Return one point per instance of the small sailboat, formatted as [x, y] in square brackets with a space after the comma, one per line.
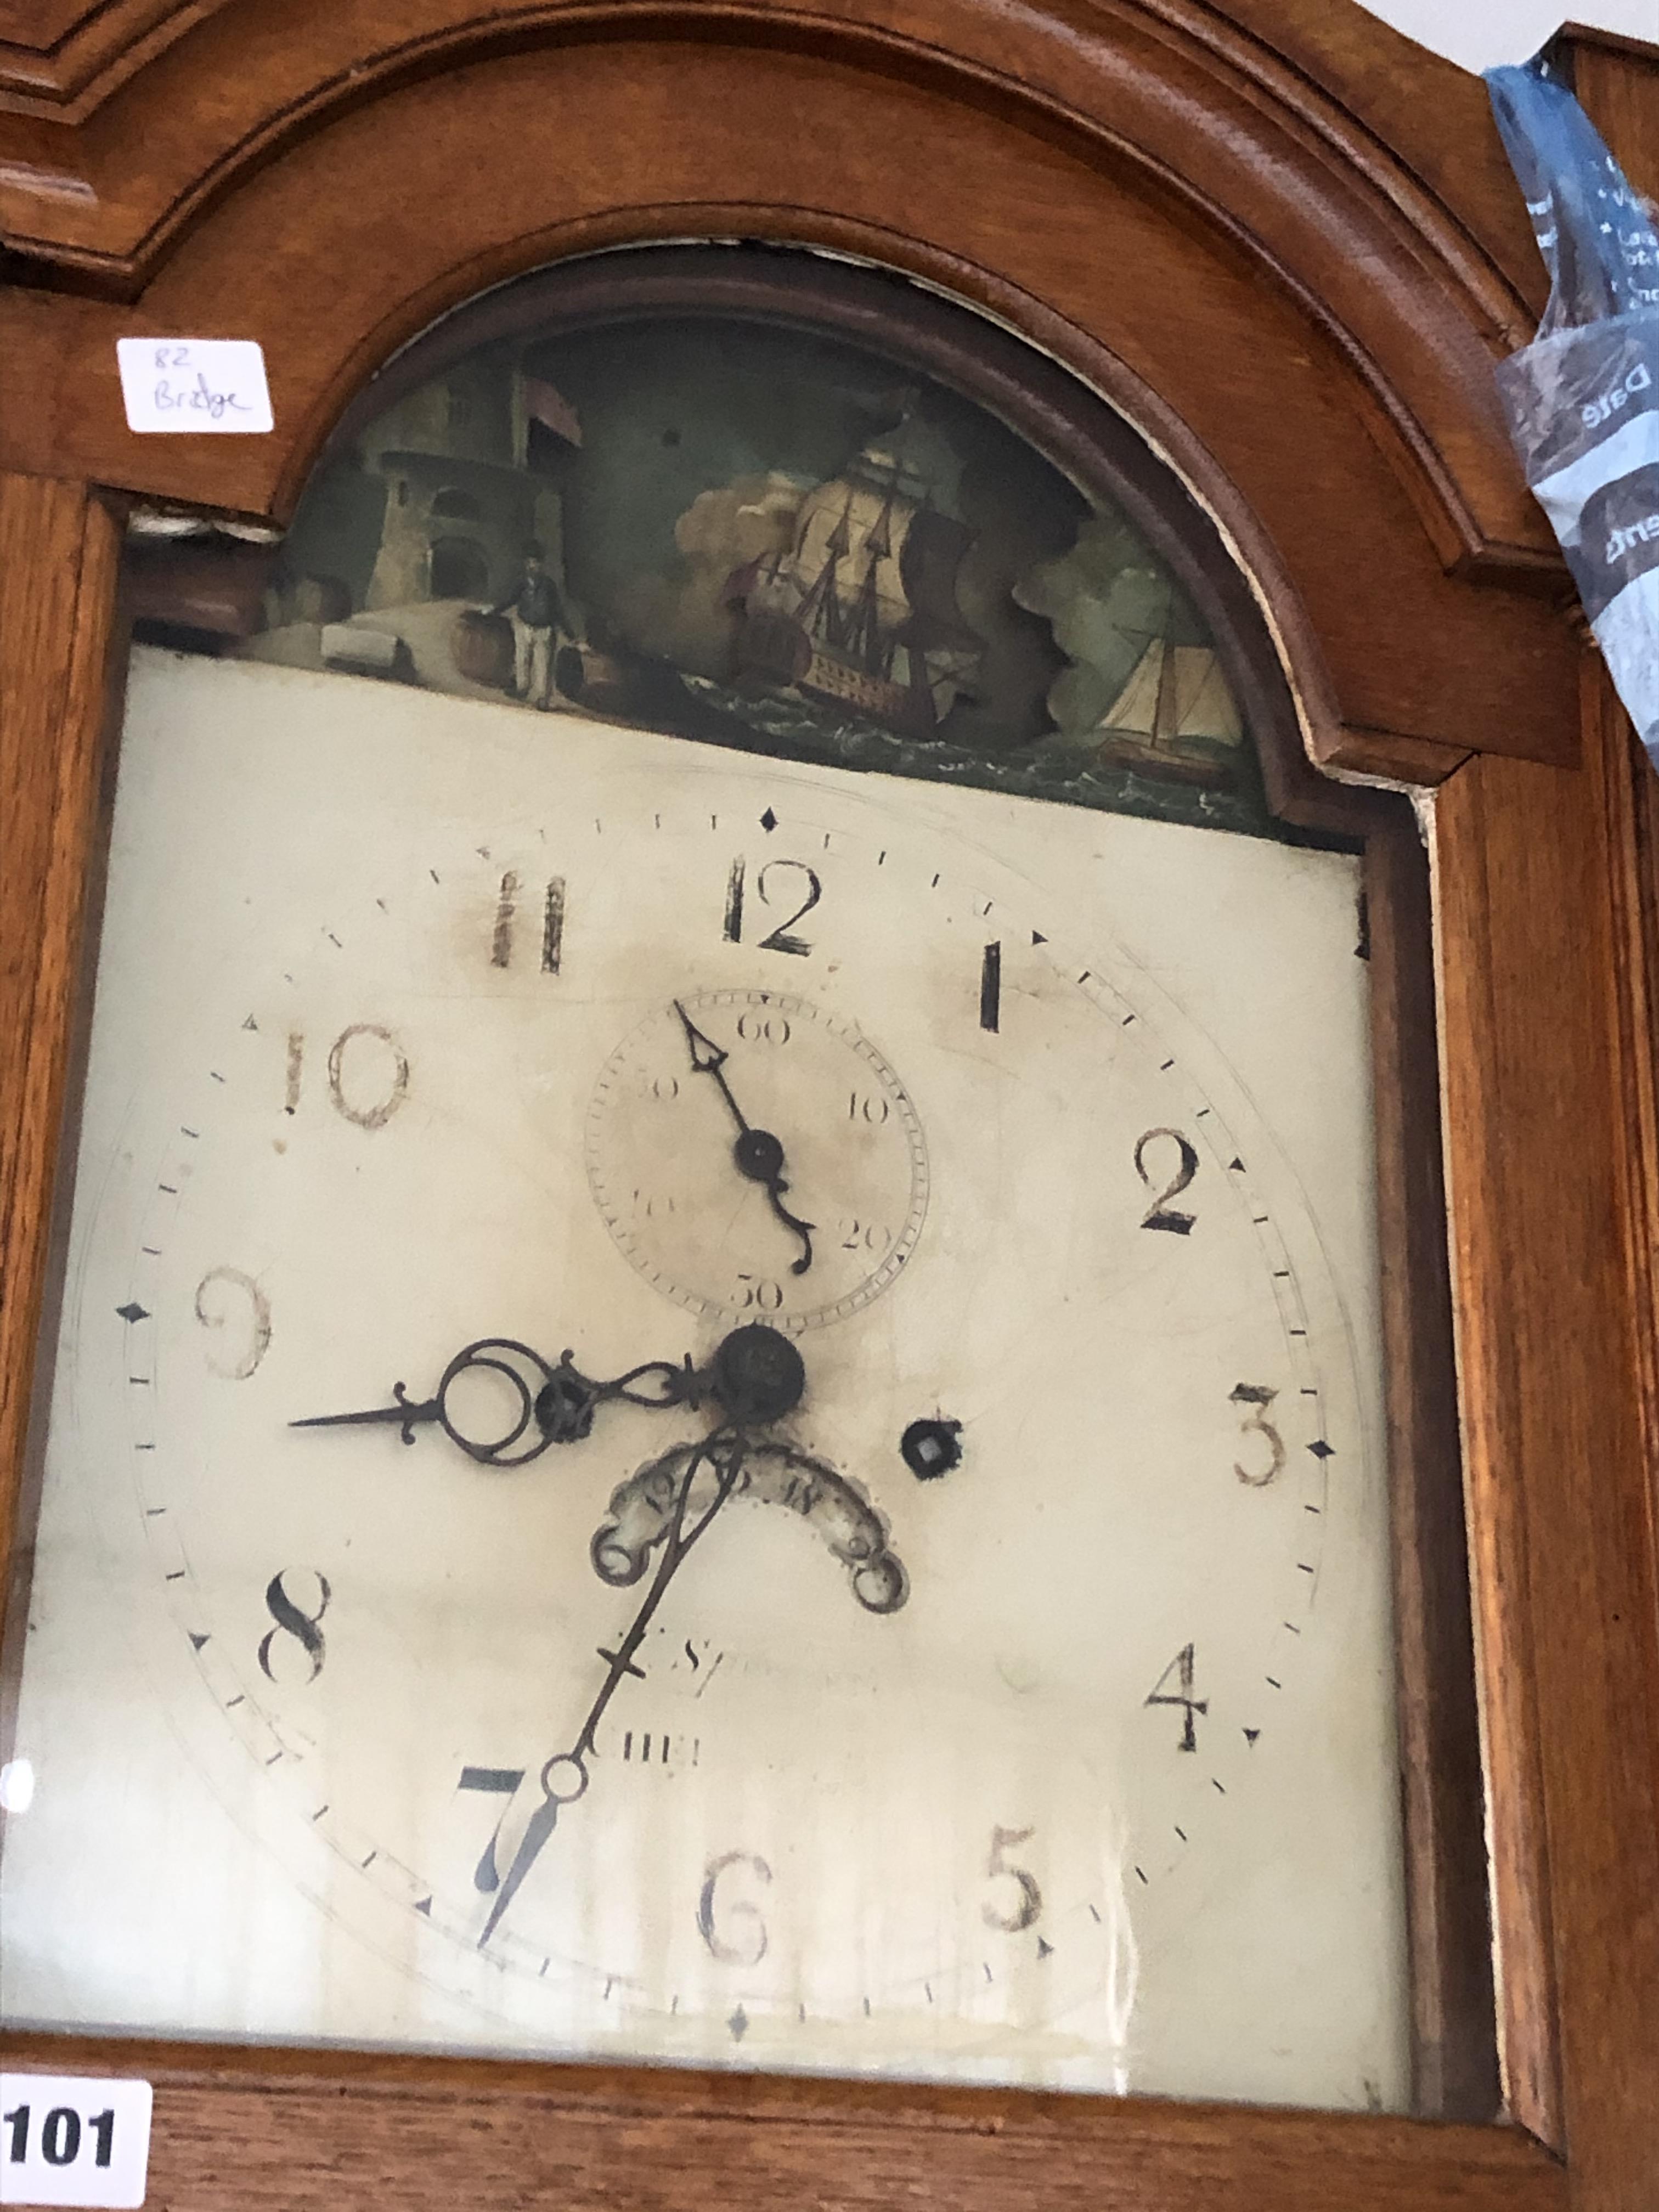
[1176, 716]
[859, 610]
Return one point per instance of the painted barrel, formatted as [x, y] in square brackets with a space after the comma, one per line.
[595, 680]
[480, 646]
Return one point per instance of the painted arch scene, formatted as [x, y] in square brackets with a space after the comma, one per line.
[760, 538]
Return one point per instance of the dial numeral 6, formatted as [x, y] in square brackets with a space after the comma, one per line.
[719, 1921]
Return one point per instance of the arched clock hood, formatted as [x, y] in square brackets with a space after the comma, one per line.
[1283, 242]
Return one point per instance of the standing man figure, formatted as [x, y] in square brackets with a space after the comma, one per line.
[536, 612]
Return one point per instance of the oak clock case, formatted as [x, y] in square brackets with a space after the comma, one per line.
[710, 1406]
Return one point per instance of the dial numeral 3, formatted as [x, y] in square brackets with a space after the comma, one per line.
[1253, 1399]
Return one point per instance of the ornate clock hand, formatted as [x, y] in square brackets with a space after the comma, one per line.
[555, 1404]
[565, 1777]
[757, 1153]
[759, 1377]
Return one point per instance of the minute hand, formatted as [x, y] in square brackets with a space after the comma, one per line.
[757, 1154]
[565, 1777]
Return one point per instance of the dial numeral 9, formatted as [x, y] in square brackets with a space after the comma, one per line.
[212, 1310]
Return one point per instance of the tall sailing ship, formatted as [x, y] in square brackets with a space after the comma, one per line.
[1176, 716]
[860, 610]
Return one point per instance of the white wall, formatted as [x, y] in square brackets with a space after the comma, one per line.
[1479, 33]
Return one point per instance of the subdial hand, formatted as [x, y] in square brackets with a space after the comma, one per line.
[547, 1405]
[757, 1154]
[565, 1777]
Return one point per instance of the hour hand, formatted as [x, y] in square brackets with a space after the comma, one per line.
[541, 1404]
[759, 1158]
[405, 1413]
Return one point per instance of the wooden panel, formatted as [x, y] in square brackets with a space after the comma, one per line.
[1632, 824]
[405, 195]
[251, 2133]
[1204, 114]
[59, 551]
[60, 58]
[1547, 1042]
[1618, 83]
[1447, 1883]
[1541, 1158]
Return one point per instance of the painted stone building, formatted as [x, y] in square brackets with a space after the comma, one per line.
[462, 503]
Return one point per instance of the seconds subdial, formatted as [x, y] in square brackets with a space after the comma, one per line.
[708, 1230]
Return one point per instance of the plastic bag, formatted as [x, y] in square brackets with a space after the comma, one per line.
[1582, 400]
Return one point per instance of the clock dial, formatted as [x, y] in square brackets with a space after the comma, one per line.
[840, 1523]
[692, 1187]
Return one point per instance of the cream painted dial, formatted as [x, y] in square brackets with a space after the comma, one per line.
[1008, 1699]
[667, 1130]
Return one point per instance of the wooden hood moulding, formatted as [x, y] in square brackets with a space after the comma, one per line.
[1284, 242]
[1189, 194]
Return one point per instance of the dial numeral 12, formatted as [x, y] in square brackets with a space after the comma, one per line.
[783, 937]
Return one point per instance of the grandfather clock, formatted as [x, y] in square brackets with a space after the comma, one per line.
[830, 1154]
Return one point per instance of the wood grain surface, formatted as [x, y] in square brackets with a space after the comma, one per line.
[1615, 80]
[59, 554]
[1247, 225]
[60, 58]
[1150, 193]
[257, 2132]
[1387, 104]
[1542, 1156]
[1454, 2056]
